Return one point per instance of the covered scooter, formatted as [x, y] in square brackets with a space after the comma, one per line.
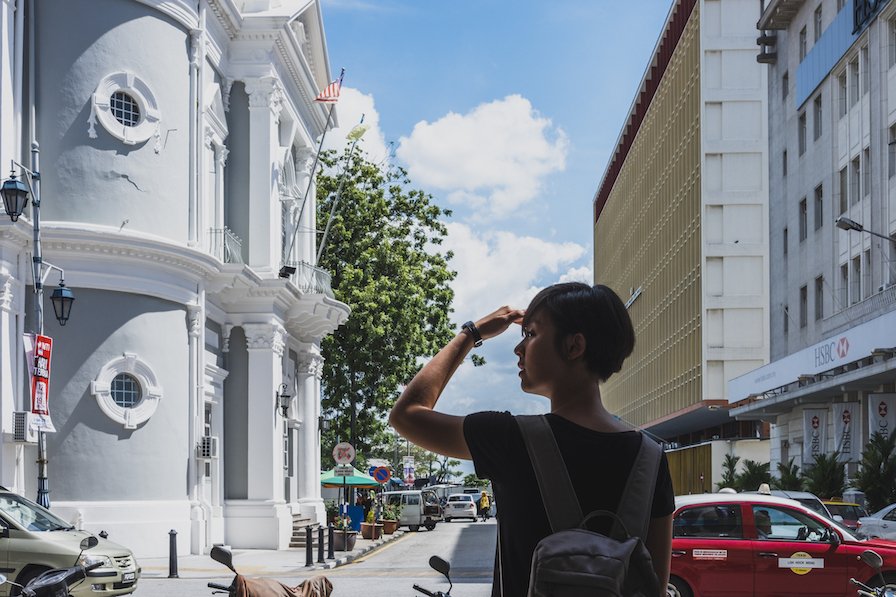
[316, 586]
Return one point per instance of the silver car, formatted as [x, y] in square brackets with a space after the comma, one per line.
[881, 524]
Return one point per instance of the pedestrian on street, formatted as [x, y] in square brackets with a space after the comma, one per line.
[484, 505]
[574, 337]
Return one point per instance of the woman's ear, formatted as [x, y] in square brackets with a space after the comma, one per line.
[575, 346]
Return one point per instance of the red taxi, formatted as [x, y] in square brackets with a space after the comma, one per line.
[737, 545]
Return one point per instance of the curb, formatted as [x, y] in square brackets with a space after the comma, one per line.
[350, 557]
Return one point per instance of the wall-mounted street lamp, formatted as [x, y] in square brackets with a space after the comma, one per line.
[844, 223]
[283, 400]
[15, 199]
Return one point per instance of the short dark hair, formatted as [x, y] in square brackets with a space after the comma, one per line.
[594, 311]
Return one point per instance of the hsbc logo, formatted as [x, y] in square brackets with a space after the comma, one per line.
[882, 409]
[815, 422]
[829, 352]
[842, 347]
[846, 417]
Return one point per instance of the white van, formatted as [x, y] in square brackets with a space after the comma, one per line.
[419, 507]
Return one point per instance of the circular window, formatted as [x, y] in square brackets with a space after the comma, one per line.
[124, 108]
[126, 390]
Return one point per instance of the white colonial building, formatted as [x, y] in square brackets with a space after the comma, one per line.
[175, 142]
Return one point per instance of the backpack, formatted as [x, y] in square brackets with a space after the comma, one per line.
[575, 561]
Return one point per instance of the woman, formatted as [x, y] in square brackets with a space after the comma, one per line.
[574, 337]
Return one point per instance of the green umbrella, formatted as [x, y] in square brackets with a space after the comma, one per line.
[356, 479]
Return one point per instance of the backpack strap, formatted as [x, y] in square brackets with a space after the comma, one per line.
[637, 497]
[557, 493]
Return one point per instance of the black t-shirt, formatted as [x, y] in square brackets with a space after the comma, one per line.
[598, 462]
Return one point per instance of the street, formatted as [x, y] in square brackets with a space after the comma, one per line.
[390, 570]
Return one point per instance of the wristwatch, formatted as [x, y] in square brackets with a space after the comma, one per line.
[471, 329]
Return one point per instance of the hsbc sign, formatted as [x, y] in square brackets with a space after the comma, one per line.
[846, 347]
[830, 353]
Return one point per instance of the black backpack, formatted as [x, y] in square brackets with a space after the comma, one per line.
[575, 561]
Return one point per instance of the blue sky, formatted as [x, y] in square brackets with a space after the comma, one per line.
[506, 112]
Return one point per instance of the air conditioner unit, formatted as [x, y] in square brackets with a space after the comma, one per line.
[22, 430]
[207, 447]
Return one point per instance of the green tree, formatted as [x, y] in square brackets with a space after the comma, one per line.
[753, 475]
[472, 480]
[877, 473]
[383, 252]
[826, 476]
[729, 472]
[788, 477]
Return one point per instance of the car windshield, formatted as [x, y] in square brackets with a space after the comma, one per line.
[29, 515]
[847, 511]
[813, 505]
[460, 498]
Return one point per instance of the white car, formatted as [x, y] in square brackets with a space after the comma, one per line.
[881, 524]
[460, 505]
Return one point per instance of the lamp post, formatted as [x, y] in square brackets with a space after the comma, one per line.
[15, 198]
[844, 223]
[283, 398]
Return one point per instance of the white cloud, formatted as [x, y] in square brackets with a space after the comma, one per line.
[495, 268]
[352, 104]
[494, 158]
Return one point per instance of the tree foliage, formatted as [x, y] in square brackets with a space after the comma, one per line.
[383, 252]
[752, 476]
[877, 473]
[826, 476]
[788, 478]
[729, 472]
[472, 480]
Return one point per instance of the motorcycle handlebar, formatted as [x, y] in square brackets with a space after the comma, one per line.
[424, 591]
[214, 585]
[90, 567]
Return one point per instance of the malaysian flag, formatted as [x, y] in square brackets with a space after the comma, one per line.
[330, 95]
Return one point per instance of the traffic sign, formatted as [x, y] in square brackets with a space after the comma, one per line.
[381, 474]
[344, 470]
[343, 453]
[371, 469]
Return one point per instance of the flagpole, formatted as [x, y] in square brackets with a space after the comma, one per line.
[320, 145]
[348, 163]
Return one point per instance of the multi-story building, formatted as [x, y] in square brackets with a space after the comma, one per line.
[831, 382]
[681, 232]
[175, 140]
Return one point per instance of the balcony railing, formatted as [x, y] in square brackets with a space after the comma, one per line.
[310, 278]
[225, 245]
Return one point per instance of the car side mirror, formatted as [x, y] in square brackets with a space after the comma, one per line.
[4, 531]
[834, 537]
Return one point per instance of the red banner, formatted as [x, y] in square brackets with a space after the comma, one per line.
[40, 375]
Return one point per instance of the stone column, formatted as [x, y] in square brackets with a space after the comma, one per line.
[265, 103]
[11, 475]
[309, 366]
[305, 241]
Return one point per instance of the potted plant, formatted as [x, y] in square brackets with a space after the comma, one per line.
[345, 536]
[370, 529]
[391, 514]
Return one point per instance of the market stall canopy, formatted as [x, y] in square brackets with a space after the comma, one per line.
[356, 479]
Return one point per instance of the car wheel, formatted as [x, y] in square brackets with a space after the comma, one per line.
[26, 576]
[414, 527]
[431, 526]
[678, 588]
[447, 519]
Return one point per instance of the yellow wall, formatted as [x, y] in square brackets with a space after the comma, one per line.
[648, 236]
[686, 467]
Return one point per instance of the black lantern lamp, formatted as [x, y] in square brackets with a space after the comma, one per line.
[62, 298]
[15, 196]
[283, 400]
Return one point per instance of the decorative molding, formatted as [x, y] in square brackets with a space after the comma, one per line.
[304, 159]
[225, 337]
[101, 388]
[310, 364]
[197, 39]
[265, 336]
[196, 317]
[227, 85]
[101, 109]
[221, 156]
[7, 292]
[265, 92]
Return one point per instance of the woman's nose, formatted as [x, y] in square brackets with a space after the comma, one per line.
[518, 349]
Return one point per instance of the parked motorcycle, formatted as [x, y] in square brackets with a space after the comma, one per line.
[873, 559]
[439, 565]
[56, 582]
[316, 586]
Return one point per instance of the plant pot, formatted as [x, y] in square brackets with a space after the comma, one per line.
[389, 526]
[370, 530]
[344, 540]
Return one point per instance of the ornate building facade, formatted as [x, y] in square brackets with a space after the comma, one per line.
[175, 142]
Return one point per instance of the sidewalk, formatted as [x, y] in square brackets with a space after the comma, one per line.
[261, 562]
